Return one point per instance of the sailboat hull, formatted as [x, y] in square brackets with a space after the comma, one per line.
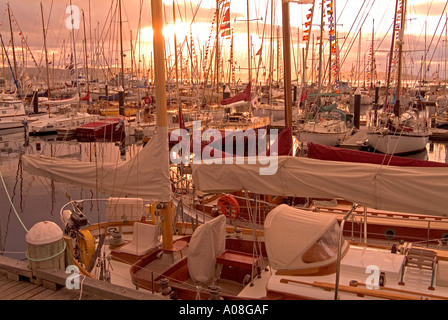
[327, 139]
[397, 144]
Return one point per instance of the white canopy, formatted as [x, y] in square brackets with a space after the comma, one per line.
[146, 175]
[422, 190]
[289, 232]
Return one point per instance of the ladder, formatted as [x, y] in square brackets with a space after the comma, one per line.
[422, 259]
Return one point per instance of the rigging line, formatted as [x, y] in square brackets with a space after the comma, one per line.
[353, 41]
[10, 201]
[350, 30]
[432, 38]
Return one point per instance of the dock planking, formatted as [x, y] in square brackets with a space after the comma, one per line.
[18, 282]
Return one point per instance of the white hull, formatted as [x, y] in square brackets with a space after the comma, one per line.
[327, 132]
[398, 144]
[276, 114]
[8, 124]
[327, 139]
[64, 122]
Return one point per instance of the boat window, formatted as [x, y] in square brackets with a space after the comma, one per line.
[324, 248]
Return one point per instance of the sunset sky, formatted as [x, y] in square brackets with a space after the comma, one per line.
[425, 27]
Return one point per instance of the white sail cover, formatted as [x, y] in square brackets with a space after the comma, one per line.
[74, 99]
[206, 244]
[420, 190]
[145, 175]
[297, 228]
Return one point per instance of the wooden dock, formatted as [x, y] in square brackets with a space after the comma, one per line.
[18, 282]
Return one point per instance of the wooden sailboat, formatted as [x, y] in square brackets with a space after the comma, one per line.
[390, 130]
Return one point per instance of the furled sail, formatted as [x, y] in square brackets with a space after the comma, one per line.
[145, 175]
[420, 190]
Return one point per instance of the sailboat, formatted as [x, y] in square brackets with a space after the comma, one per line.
[389, 129]
[323, 119]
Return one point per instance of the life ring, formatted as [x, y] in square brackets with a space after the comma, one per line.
[86, 244]
[147, 100]
[228, 206]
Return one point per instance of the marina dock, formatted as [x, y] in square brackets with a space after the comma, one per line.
[18, 282]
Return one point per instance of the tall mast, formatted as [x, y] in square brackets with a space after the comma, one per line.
[248, 46]
[217, 46]
[175, 51]
[371, 58]
[12, 44]
[160, 81]
[287, 61]
[74, 48]
[271, 55]
[45, 49]
[121, 46]
[400, 43]
[87, 62]
[320, 50]
[391, 55]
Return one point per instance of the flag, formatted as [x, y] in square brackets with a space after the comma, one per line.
[259, 51]
[255, 103]
[226, 20]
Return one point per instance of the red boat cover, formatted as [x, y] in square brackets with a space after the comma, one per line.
[322, 152]
[245, 95]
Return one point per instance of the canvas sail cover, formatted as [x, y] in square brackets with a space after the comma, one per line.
[420, 190]
[74, 99]
[145, 175]
[206, 244]
[291, 233]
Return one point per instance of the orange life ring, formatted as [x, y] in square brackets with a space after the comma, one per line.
[147, 100]
[228, 206]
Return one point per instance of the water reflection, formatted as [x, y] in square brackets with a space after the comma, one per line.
[37, 198]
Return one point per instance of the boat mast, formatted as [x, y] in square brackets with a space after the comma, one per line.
[175, 52]
[371, 58]
[319, 84]
[287, 61]
[74, 49]
[305, 58]
[217, 47]
[45, 49]
[160, 90]
[12, 44]
[121, 46]
[249, 56]
[391, 56]
[400, 43]
[87, 62]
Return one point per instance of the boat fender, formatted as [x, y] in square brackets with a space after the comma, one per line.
[228, 206]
